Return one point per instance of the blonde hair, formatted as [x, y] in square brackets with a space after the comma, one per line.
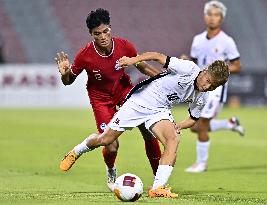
[215, 4]
[219, 71]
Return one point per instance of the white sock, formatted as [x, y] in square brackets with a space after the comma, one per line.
[220, 125]
[202, 151]
[81, 148]
[162, 175]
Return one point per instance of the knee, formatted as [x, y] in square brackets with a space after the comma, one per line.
[105, 141]
[200, 127]
[172, 140]
[203, 130]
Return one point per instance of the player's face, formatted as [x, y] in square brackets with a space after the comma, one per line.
[213, 18]
[102, 35]
[204, 82]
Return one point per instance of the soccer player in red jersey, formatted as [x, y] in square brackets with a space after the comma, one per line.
[108, 84]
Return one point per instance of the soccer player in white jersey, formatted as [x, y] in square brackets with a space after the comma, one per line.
[150, 103]
[213, 44]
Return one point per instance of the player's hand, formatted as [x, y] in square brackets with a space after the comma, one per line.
[126, 61]
[184, 57]
[63, 63]
[177, 128]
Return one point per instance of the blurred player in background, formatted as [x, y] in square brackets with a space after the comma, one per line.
[107, 84]
[213, 44]
[150, 103]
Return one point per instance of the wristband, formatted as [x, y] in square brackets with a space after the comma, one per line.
[137, 63]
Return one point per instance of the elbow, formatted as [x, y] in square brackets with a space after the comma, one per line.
[237, 69]
[158, 57]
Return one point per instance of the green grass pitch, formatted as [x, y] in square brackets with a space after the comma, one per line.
[33, 141]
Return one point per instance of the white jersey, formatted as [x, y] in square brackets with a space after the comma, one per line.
[205, 51]
[173, 87]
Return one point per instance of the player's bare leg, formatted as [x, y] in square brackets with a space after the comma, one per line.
[232, 124]
[152, 148]
[90, 143]
[165, 131]
[202, 128]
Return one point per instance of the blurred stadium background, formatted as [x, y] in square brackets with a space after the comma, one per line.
[32, 32]
[32, 141]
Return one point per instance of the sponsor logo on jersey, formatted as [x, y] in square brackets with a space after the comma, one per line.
[180, 84]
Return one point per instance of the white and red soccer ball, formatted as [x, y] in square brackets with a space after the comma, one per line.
[128, 187]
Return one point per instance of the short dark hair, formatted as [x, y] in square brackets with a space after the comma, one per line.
[96, 18]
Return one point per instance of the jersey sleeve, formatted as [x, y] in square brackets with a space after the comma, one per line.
[231, 50]
[194, 111]
[77, 66]
[179, 66]
[131, 51]
[195, 108]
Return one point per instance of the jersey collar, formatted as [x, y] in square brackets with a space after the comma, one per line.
[113, 45]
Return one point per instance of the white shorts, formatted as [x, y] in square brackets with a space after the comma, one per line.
[132, 115]
[212, 108]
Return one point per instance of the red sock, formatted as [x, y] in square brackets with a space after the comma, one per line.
[109, 157]
[153, 153]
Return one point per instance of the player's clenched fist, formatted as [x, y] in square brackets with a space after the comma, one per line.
[63, 63]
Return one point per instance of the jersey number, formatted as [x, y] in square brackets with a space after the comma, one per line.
[173, 97]
[97, 74]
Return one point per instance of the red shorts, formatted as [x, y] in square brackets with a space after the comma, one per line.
[104, 110]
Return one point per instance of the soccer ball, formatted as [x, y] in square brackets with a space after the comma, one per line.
[128, 187]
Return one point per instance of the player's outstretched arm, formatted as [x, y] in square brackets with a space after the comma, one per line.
[126, 61]
[147, 69]
[63, 63]
[186, 123]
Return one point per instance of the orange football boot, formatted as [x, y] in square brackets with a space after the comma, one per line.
[162, 191]
[68, 161]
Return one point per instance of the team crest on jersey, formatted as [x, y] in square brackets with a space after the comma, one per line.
[103, 126]
[117, 66]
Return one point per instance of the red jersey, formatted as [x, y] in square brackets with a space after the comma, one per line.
[104, 81]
